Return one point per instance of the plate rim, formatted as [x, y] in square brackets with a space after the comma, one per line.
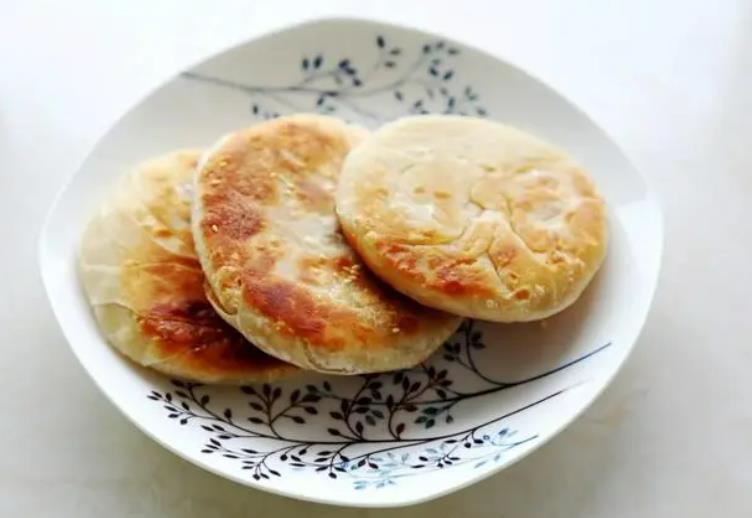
[651, 196]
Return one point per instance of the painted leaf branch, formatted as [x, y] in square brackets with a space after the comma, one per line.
[385, 413]
[424, 84]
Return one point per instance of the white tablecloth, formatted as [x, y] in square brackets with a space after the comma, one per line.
[670, 80]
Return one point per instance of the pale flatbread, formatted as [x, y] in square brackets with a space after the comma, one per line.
[473, 217]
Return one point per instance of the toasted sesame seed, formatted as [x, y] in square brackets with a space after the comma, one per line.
[395, 330]
[215, 228]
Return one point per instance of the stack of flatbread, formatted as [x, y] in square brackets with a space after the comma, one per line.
[305, 242]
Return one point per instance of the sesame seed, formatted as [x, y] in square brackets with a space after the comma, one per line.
[215, 228]
[395, 330]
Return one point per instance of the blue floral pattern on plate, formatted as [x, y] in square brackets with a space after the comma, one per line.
[418, 82]
[384, 428]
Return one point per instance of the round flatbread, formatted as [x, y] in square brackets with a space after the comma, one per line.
[279, 268]
[473, 217]
[143, 280]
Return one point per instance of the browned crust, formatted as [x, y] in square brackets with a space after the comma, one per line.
[172, 311]
[446, 274]
[323, 324]
[165, 291]
[203, 342]
[238, 181]
[295, 158]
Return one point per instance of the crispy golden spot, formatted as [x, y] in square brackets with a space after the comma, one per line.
[233, 220]
[288, 304]
[447, 274]
[248, 180]
[314, 270]
[293, 148]
[453, 278]
[401, 258]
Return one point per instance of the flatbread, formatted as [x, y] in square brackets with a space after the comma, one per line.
[473, 217]
[279, 268]
[144, 282]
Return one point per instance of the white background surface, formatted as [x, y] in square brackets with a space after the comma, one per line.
[671, 81]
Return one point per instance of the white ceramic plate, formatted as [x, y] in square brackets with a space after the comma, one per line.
[489, 397]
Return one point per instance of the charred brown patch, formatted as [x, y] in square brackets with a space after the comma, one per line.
[189, 326]
[342, 263]
[287, 304]
[205, 342]
[407, 323]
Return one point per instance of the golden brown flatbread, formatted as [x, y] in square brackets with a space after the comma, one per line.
[279, 268]
[144, 282]
[473, 217]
